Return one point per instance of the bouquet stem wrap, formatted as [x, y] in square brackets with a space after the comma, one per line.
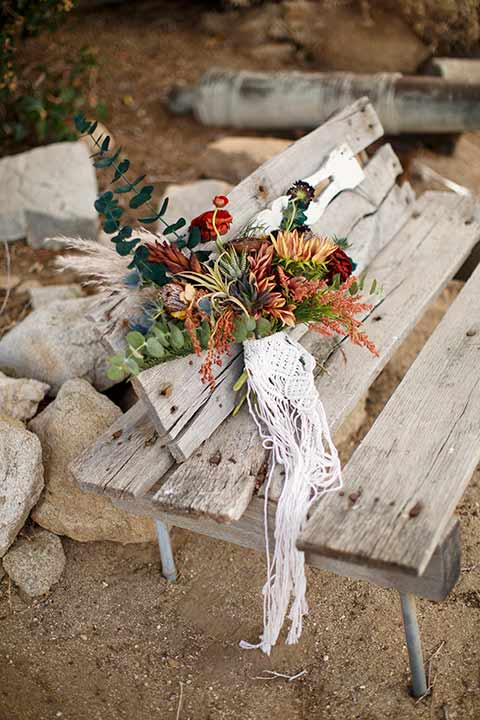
[291, 420]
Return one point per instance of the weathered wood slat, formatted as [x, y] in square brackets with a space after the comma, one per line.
[127, 459]
[439, 578]
[350, 372]
[190, 409]
[416, 461]
[358, 125]
[197, 486]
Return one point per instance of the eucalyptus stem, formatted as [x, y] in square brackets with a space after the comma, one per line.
[122, 176]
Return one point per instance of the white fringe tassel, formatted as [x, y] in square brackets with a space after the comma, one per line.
[291, 420]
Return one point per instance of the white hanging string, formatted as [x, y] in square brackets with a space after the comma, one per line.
[292, 423]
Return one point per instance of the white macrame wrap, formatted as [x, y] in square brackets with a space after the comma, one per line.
[291, 420]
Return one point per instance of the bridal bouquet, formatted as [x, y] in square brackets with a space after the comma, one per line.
[188, 291]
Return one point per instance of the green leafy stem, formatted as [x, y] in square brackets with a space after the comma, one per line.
[108, 206]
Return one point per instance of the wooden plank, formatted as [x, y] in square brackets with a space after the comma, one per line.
[190, 412]
[439, 578]
[358, 125]
[414, 464]
[407, 270]
[127, 459]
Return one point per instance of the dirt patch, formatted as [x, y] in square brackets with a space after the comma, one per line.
[114, 640]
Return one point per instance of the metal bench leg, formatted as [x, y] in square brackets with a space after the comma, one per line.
[169, 571]
[414, 645]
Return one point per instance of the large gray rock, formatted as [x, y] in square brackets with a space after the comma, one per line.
[35, 563]
[233, 158]
[21, 478]
[66, 428]
[54, 344]
[19, 398]
[48, 191]
[48, 294]
[192, 199]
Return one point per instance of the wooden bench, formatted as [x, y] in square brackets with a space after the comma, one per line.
[394, 524]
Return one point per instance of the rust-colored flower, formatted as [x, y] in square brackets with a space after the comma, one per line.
[298, 288]
[291, 245]
[208, 221]
[260, 268]
[339, 264]
[277, 307]
[174, 260]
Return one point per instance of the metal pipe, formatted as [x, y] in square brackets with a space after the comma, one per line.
[288, 100]
[414, 644]
[169, 571]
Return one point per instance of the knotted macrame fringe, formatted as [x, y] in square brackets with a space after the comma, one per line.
[291, 420]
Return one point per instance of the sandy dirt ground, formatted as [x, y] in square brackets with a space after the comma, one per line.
[114, 640]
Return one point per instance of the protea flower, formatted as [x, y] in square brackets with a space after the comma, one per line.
[174, 260]
[177, 298]
[302, 254]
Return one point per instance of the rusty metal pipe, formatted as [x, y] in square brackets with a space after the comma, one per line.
[287, 100]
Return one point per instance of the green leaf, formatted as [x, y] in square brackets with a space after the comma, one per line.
[161, 336]
[105, 144]
[240, 330]
[121, 169]
[135, 339]
[264, 327]
[133, 366]
[117, 359]
[81, 124]
[203, 255]
[250, 324]
[148, 220]
[115, 373]
[155, 348]
[137, 200]
[194, 237]
[127, 187]
[373, 287]
[176, 337]
[163, 209]
[175, 226]
[92, 127]
[353, 289]
[110, 226]
[124, 248]
[125, 232]
[203, 333]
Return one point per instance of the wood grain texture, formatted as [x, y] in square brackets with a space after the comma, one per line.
[416, 461]
[437, 581]
[190, 412]
[126, 460]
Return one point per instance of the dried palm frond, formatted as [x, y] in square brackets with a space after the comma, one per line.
[101, 265]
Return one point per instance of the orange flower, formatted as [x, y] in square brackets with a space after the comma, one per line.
[290, 245]
[277, 307]
[205, 223]
[174, 260]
